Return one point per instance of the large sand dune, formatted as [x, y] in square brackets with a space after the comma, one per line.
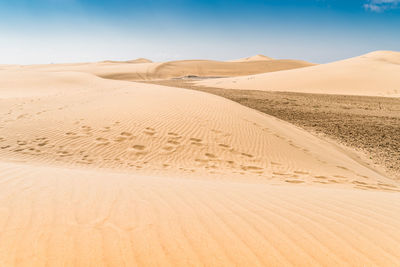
[124, 125]
[100, 172]
[374, 74]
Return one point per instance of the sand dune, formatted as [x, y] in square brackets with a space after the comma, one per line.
[16, 84]
[144, 70]
[374, 74]
[61, 217]
[100, 172]
[155, 129]
[253, 58]
[135, 61]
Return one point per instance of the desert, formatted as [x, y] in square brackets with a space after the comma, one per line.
[199, 133]
[99, 171]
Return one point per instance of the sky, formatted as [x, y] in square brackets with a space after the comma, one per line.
[320, 31]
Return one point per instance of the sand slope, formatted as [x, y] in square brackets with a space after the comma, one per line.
[374, 74]
[59, 217]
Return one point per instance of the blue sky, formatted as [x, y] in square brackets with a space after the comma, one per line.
[45, 31]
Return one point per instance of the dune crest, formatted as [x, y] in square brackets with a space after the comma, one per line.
[386, 56]
[373, 74]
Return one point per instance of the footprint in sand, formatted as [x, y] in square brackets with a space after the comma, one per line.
[196, 143]
[343, 168]
[294, 181]
[120, 139]
[139, 150]
[106, 129]
[223, 145]
[320, 182]
[126, 134]
[149, 131]
[359, 183]
[247, 155]
[21, 143]
[45, 142]
[279, 173]
[197, 140]
[275, 163]
[102, 141]
[64, 153]
[173, 142]
[253, 169]
[86, 128]
[300, 172]
[138, 147]
[209, 155]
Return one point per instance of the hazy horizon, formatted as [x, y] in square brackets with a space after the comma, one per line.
[63, 31]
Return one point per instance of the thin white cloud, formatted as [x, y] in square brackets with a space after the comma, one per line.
[381, 5]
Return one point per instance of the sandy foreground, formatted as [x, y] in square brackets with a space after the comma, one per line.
[100, 172]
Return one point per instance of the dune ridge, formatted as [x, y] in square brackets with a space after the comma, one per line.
[373, 74]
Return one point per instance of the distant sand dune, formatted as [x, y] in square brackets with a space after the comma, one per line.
[374, 74]
[135, 61]
[144, 70]
[253, 58]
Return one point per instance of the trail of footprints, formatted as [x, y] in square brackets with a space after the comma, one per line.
[81, 143]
